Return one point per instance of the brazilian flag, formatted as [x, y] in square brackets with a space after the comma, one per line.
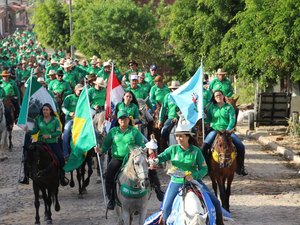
[83, 135]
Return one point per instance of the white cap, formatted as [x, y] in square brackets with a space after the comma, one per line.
[152, 144]
[133, 77]
[106, 64]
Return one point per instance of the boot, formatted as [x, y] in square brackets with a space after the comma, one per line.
[154, 181]
[240, 169]
[206, 153]
[63, 180]
[26, 175]
[111, 203]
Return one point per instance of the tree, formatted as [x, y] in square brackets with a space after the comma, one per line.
[117, 29]
[51, 23]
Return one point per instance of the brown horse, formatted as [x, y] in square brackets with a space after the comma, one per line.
[233, 101]
[59, 97]
[223, 166]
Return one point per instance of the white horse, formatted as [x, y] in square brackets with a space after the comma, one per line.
[3, 130]
[133, 188]
[145, 116]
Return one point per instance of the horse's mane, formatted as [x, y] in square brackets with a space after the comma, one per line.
[129, 167]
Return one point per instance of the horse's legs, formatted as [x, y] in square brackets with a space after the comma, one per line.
[36, 202]
[126, 216]
[78, 175]
[89, 162]
[57, 206]
[72, 184]
[143, 214]
[214, 185]
[228, 192]
[10, 140]
[48, 204]
[220, 182]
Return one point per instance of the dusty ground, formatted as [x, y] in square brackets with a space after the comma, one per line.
[269, 195]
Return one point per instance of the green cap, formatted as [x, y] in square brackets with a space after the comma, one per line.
[122, 113]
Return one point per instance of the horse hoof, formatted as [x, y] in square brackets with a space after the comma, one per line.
[57, 207]
[72, 184]
[37, 223]
[84, 191]
[49, 221]
[80, 196]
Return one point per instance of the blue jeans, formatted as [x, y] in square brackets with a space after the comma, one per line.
[166, 129]
[236, 141]
[56, 148]
[172, 191]
[67, 137]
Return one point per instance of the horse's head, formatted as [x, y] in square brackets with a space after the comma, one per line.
[59, 98]
[137, 167]
[38, 160]
[232, 101]
[224, 148]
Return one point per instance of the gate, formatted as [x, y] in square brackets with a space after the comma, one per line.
[273, 108]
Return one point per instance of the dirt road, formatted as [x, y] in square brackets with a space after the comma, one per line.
[269, 195]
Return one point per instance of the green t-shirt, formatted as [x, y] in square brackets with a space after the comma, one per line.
[132, 109]
[169, 107]
[220, 118]
[10, 88]
[121, 142]
[157, 94]
[190, 160]
[56, 86]
[225, 86]
[145, 86]
[69, 105]
[50, 128]
[97, 97]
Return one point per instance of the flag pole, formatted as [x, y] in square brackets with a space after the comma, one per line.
[203, 114]
[102, 182]
[99, 163]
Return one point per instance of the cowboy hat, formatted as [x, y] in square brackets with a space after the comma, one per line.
[133, 62]
[5, 73]
[174, 84]
[78, 87]
[183, 127]
[90, 76]
[221, 71]
[141, 74]
[53, 61]
[100, 81]
[41, 80]
[51, 73]
[67, 64]
[94, 57]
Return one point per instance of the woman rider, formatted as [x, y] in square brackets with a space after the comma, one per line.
[130, 105]
[186, 157]
[120, 139]
[221, 116]
[48, 128]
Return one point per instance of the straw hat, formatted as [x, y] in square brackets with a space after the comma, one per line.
[100, 81]
[174, 84]
[221, 71]
[132, 62]
[5, 73]
[78, 87]
[41, 80]
[140, 74]
[51, 73]
[90, 76]
[183, 127]
[67, 64]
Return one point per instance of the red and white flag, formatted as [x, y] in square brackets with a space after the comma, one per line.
[114, 94]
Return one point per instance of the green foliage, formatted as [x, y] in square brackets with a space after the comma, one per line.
[293, 128]
[117, 29]
[51, 23]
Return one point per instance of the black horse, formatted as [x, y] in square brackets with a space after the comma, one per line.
[43, 168]
[83, 181]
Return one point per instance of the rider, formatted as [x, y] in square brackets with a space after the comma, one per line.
[59, 85]
[68, 108]
[130, 105]
[48, 128]
[97, 94]
[142, 83]
[11, 90]
[186, 157]
[221, 83]
[220, 115]
[120, 139]
[169, 107]
[150, 76]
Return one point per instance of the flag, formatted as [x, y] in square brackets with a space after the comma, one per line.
[34, 98]
[83, 134]
[189, 98]
[114, 95]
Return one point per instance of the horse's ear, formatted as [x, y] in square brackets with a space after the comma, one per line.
[236, 99]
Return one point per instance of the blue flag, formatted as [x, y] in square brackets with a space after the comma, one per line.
[189, 98]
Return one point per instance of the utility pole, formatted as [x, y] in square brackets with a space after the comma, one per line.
[7, 16]
[71, 27]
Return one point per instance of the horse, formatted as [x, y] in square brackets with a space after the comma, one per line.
[10, 106]
[146, 117]
[189, 206]
[223, 166]
[3, 131]
[233, 101]
[133, 188]
[43, 168]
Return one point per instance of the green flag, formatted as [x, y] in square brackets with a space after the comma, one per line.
[83, 135]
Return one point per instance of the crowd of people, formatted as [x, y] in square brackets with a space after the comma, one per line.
[22, 56]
